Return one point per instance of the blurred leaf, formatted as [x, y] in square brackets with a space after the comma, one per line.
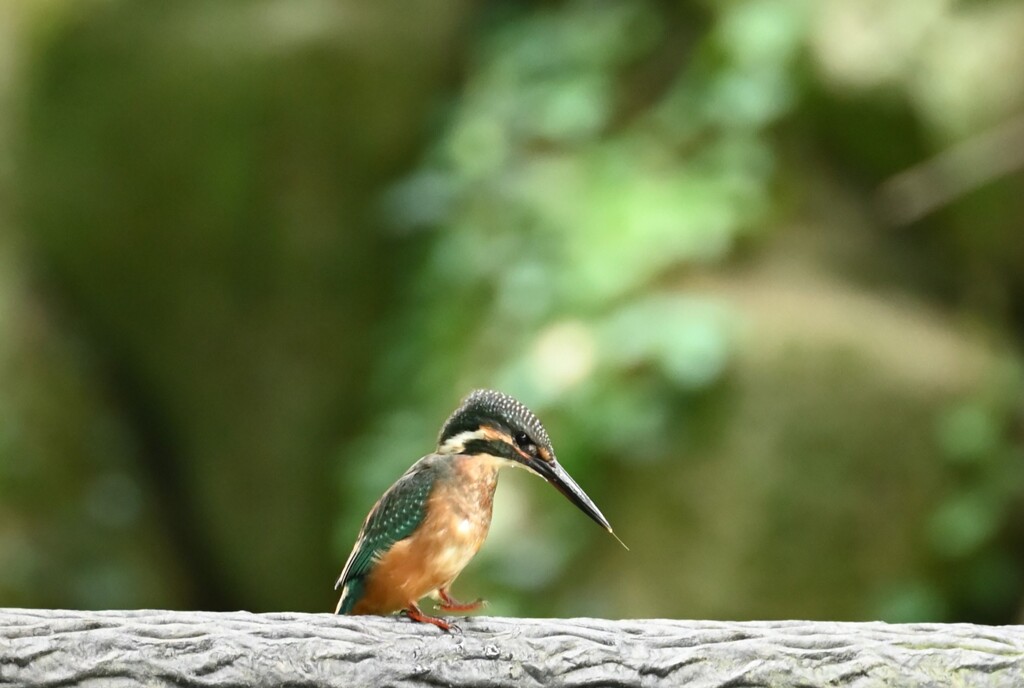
[963, 524]
[912, 602]
[968, 434]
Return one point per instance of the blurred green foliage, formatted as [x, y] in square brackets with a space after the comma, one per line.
[754, 263]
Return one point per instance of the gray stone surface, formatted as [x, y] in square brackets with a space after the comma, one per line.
[162, 648]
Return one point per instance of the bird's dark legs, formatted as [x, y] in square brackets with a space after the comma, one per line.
[416, 614]
[450, 604]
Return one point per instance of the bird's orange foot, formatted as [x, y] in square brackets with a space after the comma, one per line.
[414, 613]
[450, 604]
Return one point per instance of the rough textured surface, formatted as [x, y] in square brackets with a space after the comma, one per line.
[160, 648]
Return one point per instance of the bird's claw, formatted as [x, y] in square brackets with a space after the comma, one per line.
[418, 616]
[450, 604]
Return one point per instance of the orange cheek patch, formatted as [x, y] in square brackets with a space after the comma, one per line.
[544, 454]
[492, 434]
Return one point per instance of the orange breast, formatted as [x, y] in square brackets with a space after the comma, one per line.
[457, 521]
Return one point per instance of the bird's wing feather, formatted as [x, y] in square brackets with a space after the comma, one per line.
[394, 517]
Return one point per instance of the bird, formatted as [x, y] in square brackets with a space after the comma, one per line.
[430, 523]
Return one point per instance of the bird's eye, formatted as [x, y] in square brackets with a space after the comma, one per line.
[524, 442]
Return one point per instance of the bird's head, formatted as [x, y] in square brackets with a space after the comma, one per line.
[494, 425]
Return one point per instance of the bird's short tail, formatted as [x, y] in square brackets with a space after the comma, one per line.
[350, 594]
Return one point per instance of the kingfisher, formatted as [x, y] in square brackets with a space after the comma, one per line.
[426, 527]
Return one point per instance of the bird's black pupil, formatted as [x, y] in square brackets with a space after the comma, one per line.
[525, 443]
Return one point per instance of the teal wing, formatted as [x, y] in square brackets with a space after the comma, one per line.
[394, 517]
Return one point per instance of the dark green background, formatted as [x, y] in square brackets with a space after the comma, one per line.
[757, 265]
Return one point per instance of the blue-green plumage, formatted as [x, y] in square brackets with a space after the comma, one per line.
[395, 517]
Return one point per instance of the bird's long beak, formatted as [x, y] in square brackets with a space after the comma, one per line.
[563, 482]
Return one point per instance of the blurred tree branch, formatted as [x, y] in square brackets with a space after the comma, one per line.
[924, 188]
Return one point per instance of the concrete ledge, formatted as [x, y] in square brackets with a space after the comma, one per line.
[162, 648]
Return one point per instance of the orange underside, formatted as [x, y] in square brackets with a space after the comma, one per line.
[398, 580]
[458, 518]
